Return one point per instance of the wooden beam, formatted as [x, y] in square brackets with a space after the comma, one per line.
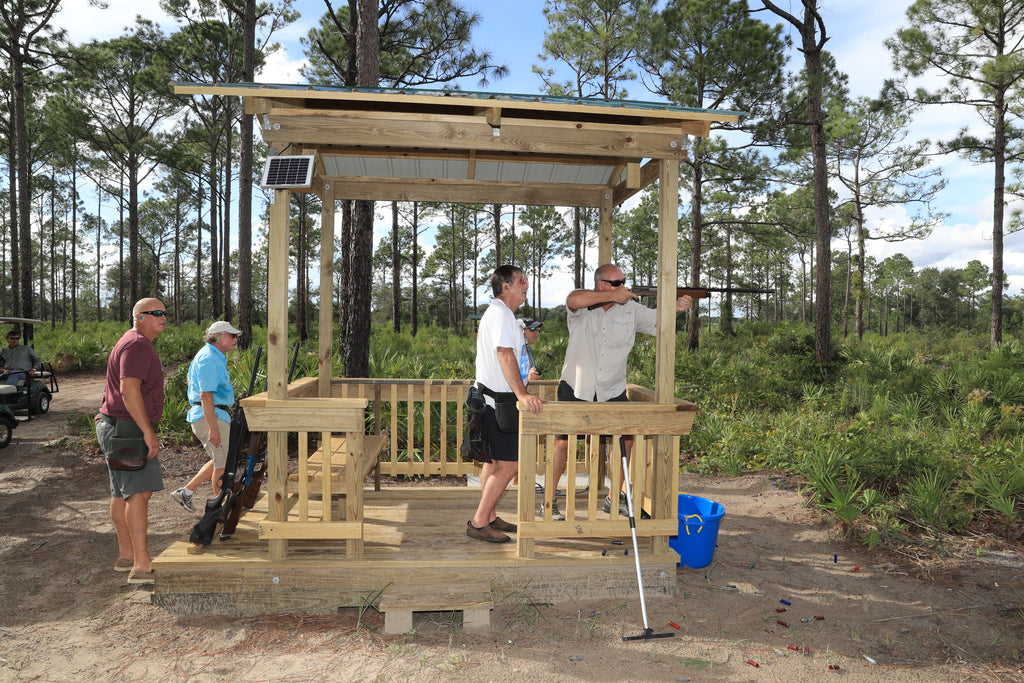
[639, 113]
[467, 191]
[462, 155]
[584, 417]
[308, 415]
[649, 172]
[668, 259]
[633, 176]
[577, 527]
[665, 473]
[544, 137]
[606, 210]
[277, 359]
[311, 530]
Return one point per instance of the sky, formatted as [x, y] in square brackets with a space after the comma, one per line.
[513, 31]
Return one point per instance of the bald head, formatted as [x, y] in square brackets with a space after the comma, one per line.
[149, 317]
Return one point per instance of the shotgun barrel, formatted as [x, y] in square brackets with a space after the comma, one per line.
[700, 292]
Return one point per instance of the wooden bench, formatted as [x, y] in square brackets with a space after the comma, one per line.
[472, 599]
[344, 463]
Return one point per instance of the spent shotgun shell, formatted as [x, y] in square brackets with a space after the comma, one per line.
[786, 602]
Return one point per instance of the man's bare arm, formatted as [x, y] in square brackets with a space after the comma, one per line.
[587, 298]
[131, 394]
[510, 368]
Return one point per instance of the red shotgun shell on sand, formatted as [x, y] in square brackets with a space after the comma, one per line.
[752, 663]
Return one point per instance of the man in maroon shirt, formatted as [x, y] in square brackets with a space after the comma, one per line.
[133, 402]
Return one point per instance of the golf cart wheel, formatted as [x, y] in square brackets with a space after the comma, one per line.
[40, 405]
[6, 429]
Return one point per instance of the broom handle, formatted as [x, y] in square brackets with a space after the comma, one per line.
[632, 530]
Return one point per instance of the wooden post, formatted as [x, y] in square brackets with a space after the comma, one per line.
[326, 292]
[277, 362]
[666, 466]
[527, 493]
[604, 230]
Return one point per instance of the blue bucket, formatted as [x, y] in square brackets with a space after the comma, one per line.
[698, 530]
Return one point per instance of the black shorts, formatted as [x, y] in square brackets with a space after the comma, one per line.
[566, 393]
[504, 445]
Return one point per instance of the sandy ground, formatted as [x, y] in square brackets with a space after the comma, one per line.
[909, 616]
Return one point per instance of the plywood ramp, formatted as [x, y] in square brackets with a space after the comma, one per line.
[415, 541]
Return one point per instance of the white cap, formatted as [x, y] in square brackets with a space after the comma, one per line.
[222, 326]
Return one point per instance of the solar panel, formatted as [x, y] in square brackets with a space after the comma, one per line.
[288, 171]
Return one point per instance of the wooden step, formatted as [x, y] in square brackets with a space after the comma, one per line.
[472, 599]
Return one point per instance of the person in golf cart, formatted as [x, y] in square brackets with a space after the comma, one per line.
[18, 362]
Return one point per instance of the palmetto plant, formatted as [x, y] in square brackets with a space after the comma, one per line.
[835, 484]
[999, 491]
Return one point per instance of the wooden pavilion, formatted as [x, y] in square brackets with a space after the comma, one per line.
[316, 541]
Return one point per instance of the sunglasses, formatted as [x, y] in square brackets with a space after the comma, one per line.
[155, 314]
[615, 283]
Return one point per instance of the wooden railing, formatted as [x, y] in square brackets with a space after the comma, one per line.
[416, 428]
[297, 509]
[424, 420]
[654, 468]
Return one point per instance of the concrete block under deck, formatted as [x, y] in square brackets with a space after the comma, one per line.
[415, 545]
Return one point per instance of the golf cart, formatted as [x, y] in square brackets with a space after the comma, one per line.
[30, 396]
[7, 424]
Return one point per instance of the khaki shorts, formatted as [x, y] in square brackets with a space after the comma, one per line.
[218, 454]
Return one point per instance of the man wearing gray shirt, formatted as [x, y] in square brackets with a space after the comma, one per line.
[603, 323]
[18, 362]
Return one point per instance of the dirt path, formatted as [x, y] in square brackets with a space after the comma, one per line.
[66, 616]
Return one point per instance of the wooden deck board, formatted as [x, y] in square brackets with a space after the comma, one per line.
[414, 538]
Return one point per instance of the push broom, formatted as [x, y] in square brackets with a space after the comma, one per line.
[648, 632]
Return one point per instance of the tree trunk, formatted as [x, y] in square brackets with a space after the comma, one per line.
[245, 164]
[24, 261]
[396, 268]
[357, 361]
[999, 158]
[414, 318]
[696, 221]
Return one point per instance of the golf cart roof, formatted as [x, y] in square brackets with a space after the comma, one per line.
[20, 321]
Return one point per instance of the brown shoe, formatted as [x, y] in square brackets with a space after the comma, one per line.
[501, 525]
[138, 577]
[486, 533]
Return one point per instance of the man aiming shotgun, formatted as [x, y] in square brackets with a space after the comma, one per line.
[603, 323]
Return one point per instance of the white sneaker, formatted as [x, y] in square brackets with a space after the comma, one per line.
[556, 514]
[184, 497]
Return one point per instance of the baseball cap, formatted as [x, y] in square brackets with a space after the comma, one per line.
[528, 324]
[220, 327]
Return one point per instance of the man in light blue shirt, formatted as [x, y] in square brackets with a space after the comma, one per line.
[211, 394]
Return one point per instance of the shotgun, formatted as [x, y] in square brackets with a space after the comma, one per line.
[216, 508]
[699, 292]
[246, 491]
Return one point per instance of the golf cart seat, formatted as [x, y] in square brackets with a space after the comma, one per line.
[8, 389]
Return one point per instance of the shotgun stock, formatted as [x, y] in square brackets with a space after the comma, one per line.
[247, 490]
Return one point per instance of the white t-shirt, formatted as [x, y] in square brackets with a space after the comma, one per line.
[498, 328]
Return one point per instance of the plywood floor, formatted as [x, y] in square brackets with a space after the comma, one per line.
[415, 541]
